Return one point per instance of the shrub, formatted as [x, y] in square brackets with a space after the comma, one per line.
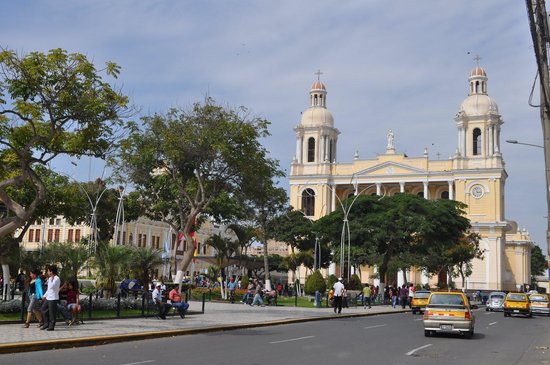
[354, 283]
[10, 306]
[315, 282]
[244, 281]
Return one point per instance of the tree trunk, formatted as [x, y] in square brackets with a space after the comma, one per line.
[266, 268]
[6, 274]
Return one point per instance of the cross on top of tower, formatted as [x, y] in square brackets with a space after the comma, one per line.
[477, 58]
[318, 73]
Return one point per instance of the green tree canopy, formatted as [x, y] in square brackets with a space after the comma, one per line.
[204, 159]
[539, 264]
[50, 104]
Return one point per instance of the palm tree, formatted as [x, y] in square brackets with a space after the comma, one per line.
[70, 256]
[111, 263]
[144, 261]
[225, 249]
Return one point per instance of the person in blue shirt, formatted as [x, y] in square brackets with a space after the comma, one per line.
[35, 294]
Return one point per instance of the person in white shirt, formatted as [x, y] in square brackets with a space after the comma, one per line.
[51, 298]
[157, 298]
[338, 295]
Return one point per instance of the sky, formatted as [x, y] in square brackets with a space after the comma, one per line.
[400, 65]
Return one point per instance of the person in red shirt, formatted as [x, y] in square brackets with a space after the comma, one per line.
[177, 302]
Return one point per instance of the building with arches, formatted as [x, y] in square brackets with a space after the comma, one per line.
[475, 175]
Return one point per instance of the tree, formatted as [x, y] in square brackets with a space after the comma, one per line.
[188, 162]
[50, 104]
[461, 256]
[69, 256]
[315, 282]
[112, 263]
[539, 265]
[144, 260]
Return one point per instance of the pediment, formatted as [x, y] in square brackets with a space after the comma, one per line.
[390, 168]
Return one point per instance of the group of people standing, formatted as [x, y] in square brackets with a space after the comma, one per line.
[44, 304]
[404, 294]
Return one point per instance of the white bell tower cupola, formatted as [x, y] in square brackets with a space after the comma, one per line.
[478, 122]
[316, 137]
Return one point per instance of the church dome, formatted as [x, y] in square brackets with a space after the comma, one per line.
[478, 71]
[316, 116]
[318, 85]
[478, 104]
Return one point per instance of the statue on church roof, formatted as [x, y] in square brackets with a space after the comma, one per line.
[390, 146]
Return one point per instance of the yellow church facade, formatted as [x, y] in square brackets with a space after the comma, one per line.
[474, 175]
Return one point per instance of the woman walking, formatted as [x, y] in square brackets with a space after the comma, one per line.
[34, 291]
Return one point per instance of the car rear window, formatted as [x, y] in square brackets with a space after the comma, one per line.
[422, 295]
[538, 298]
[446, 299]
[516, 297]
[497, 296]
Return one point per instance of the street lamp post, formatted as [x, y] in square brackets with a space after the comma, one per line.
[547, 174]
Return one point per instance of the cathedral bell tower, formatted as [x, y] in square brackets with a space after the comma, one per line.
[316, 137]
[478, 123]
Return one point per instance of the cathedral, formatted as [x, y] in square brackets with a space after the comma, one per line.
[475, 175]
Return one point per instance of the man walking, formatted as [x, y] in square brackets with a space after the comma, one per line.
[367, 293]
[338, 295]
[51, 298]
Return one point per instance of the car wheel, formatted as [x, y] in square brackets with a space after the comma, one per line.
[413, 312]
[427, 333]
[469, 334]
[486, 309]
[530, 315]
[506, 314]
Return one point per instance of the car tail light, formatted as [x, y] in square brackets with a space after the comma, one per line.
[467, 315]
[427, 314]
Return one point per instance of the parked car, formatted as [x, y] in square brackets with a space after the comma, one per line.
[449, 312]
[517, 303]
[540, 304]
[420, 298]
[495, 302]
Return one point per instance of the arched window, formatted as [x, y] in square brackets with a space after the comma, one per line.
[476, 150]
[445, 195]
[308, 202]
[311, 149]
[477, 87]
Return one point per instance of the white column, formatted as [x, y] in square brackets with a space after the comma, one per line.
[459, 144]
[298, 150]
[333, 200]
[400, 278]
[491, 139]
[451, 190]
[426, 191]
[464, 144]
[425, 278]
[378, 188]
[401, 186]
[376, 282]
[321, 142]
[497, 140]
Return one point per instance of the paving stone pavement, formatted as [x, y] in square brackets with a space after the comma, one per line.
[216, 314]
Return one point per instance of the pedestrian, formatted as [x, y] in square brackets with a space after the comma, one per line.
[393, 295]
[367, 292]
[411, 294]
[177, 302]
[403, 294]
[338, 295]
[73, 301]
[157, 298]
[20, 281]
[51, 299]
[35, 293]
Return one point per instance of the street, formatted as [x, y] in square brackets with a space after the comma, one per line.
[385, 339]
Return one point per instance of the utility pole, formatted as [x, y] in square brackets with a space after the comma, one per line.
[538, 24]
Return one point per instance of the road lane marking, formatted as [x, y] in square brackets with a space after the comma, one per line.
[141, 362]
[417, 349]
[378, 325]
[293, 339]
[492, 323]
[419, 319]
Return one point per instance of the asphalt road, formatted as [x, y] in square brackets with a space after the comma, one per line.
[385, 339]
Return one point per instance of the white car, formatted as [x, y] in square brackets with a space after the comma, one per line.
[495, 302]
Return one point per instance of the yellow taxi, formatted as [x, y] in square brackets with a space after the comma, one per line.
[448, 312]
[419, 300]
[540, 304]
[517, 303]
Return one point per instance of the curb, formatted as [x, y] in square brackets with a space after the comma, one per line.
[108, 339]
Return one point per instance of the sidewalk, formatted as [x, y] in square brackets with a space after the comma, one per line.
[217, 317]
